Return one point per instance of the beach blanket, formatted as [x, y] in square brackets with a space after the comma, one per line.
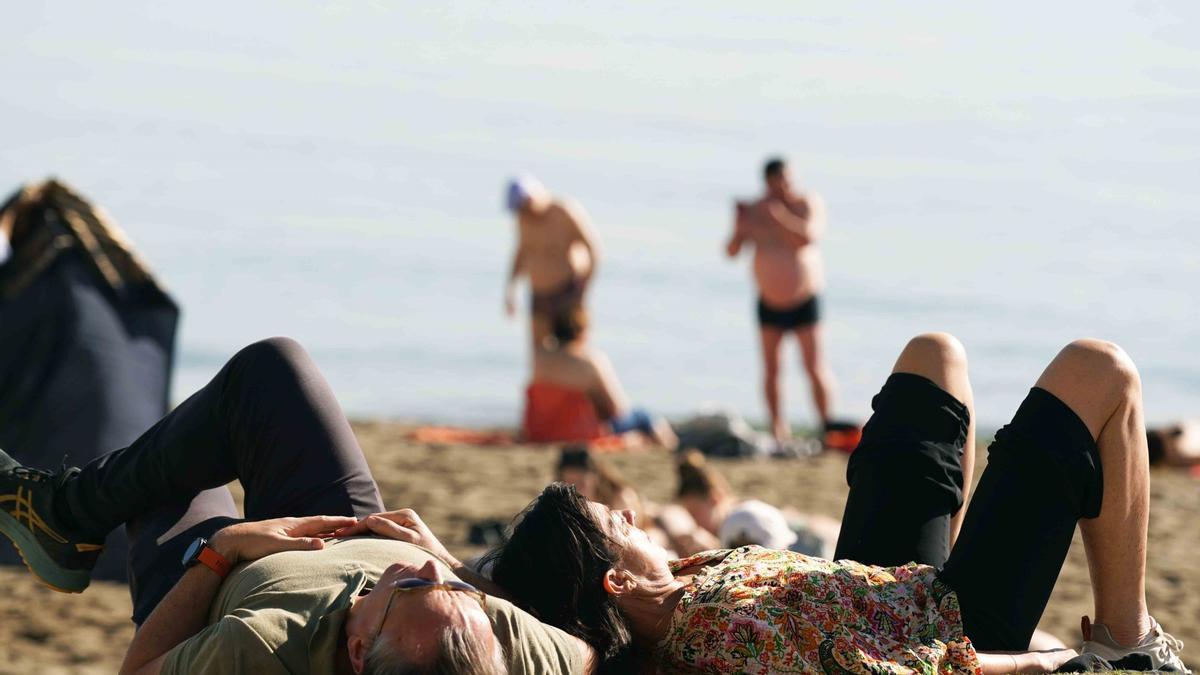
[445, 435]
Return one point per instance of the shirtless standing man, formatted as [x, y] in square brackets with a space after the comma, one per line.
[556, 247]
[784, 226]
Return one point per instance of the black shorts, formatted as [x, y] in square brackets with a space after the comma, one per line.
[1043, 475]
[805, 314]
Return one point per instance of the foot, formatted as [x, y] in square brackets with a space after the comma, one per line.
[1160, 646]
[56, 555]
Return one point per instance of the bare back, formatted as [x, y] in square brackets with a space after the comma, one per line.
[554, 246]
[582, 368]
[787, 274]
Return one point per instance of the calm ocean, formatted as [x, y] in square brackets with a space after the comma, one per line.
[335, 175]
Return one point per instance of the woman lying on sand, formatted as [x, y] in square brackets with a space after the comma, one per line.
[904, 592]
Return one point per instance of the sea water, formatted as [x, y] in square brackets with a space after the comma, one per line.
[338, 179]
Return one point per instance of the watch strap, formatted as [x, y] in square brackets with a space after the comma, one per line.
[213, 561]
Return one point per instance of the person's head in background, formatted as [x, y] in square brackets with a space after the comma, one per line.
[569, 326]
[526, 195]
[702, 491]
[596, 480]
[777, 177]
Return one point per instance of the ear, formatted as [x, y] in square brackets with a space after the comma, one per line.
[618, 582]
[356, 647]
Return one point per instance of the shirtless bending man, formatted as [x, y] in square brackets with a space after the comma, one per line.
[784, 226]
[556, 247]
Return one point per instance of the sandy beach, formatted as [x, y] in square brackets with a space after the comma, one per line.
[452, 486]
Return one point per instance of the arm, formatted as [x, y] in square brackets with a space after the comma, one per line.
[184, 611]
[515, 272]
[740, 231]
[586, 236]
[607, 394]
[799, 230]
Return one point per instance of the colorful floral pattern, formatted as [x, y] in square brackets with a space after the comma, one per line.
[757, 610]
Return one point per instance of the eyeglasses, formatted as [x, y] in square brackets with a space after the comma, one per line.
[422, 585]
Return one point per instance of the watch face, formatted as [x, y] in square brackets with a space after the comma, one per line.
[193, 550]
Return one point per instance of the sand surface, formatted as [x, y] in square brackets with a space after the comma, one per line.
[46, 632]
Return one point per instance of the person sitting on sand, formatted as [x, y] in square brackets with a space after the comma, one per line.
[293, 588]
[575, 396]
[556, 248]
[708, 515]
[903, 592]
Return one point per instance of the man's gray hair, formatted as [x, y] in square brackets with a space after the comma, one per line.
[460, 652]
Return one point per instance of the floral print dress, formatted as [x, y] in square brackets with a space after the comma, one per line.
[757, 610]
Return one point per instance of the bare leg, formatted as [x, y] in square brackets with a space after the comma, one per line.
[820, 378]
[1099, 382]
[771, 339]
[941, 358]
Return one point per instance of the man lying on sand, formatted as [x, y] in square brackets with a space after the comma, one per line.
[555, 247]
[904, 591]
[291, 589]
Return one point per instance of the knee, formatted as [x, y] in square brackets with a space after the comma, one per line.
[936, 348]
[1104, 360]
[272, 353]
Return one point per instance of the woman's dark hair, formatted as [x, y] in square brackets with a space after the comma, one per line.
[567, 324]
[553, 565]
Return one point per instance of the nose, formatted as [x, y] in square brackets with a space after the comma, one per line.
[430, 571]
[629, 515]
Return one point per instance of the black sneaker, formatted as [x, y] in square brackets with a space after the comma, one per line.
[49, 550]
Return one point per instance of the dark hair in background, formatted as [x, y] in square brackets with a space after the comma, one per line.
[773, 167]
[611, 486]
[567, 324]
[698, 479]
[553, 565]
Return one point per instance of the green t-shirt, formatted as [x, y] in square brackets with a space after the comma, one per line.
[284, 613]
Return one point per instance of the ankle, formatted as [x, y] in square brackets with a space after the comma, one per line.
[1128, 631]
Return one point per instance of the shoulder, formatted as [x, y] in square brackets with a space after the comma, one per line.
[231, 645]
[535, 648]
[571, 209]
[812, 198]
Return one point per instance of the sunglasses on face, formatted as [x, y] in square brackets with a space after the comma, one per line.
[421, 585]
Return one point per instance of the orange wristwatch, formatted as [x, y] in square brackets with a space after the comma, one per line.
[200, 553]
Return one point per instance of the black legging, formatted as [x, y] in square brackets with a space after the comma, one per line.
[267, 419]
[1043, 475]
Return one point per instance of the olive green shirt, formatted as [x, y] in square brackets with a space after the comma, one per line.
[284, 613]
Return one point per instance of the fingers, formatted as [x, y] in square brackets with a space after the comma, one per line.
[320, 525]
[386, 527]
[300, 544]
[405, 519]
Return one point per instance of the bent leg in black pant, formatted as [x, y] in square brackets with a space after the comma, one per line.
[907, 475]
[1043, 475]
[268, 419]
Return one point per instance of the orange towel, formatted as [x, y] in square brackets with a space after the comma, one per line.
[459, 436]
[556, 414]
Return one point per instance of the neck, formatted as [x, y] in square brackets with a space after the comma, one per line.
[649, 613]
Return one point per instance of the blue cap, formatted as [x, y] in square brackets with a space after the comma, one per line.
[521, 189]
